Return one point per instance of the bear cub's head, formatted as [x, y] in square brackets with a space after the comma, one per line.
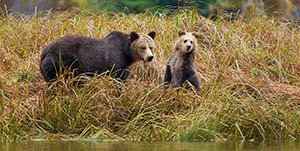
[142, 46]
[187, 41]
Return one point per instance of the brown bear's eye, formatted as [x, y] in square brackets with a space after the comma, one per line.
[143, 48]
[150, 48]
[185, 41]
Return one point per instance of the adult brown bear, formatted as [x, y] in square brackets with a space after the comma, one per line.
[83, 55]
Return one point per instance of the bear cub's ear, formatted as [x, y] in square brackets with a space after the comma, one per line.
[152, 34]
[196, 34]
[134, 36]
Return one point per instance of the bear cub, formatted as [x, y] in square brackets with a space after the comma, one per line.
[73, 54]
[180, 67]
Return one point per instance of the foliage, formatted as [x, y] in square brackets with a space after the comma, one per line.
[283, 8]
[136, 6]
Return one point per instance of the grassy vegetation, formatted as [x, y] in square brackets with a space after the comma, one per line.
[249, 69]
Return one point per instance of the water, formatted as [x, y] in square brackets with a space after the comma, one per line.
[147, 146]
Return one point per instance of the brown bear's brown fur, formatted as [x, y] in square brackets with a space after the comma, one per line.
[83, 55]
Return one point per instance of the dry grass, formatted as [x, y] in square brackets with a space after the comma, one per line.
[250, 80]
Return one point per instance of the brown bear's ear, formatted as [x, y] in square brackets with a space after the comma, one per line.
[180, 33]
[196, 34]
[134, 36]
[152, 34]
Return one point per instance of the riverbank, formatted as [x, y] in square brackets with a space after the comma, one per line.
[152, 146]
[249, 70]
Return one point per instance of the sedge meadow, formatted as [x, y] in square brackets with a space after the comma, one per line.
[249, 70]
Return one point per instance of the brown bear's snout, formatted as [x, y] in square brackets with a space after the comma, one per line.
[189, 47]
[150, 58]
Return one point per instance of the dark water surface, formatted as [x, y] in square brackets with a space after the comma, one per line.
[147, 146]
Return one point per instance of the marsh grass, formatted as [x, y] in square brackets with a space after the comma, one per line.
[249, 70]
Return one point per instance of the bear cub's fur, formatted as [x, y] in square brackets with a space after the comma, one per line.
[77, 55]
[180, 67]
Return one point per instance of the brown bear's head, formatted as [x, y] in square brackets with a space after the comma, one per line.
[187, 41]
[142, 46]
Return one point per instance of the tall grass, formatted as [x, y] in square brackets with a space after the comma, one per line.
[249, 69]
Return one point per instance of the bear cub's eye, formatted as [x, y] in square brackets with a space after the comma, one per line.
[150, 48]
[185, 41]
[143, 48]
[191, 42]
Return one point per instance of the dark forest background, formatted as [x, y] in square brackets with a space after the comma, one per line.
[285, 8]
